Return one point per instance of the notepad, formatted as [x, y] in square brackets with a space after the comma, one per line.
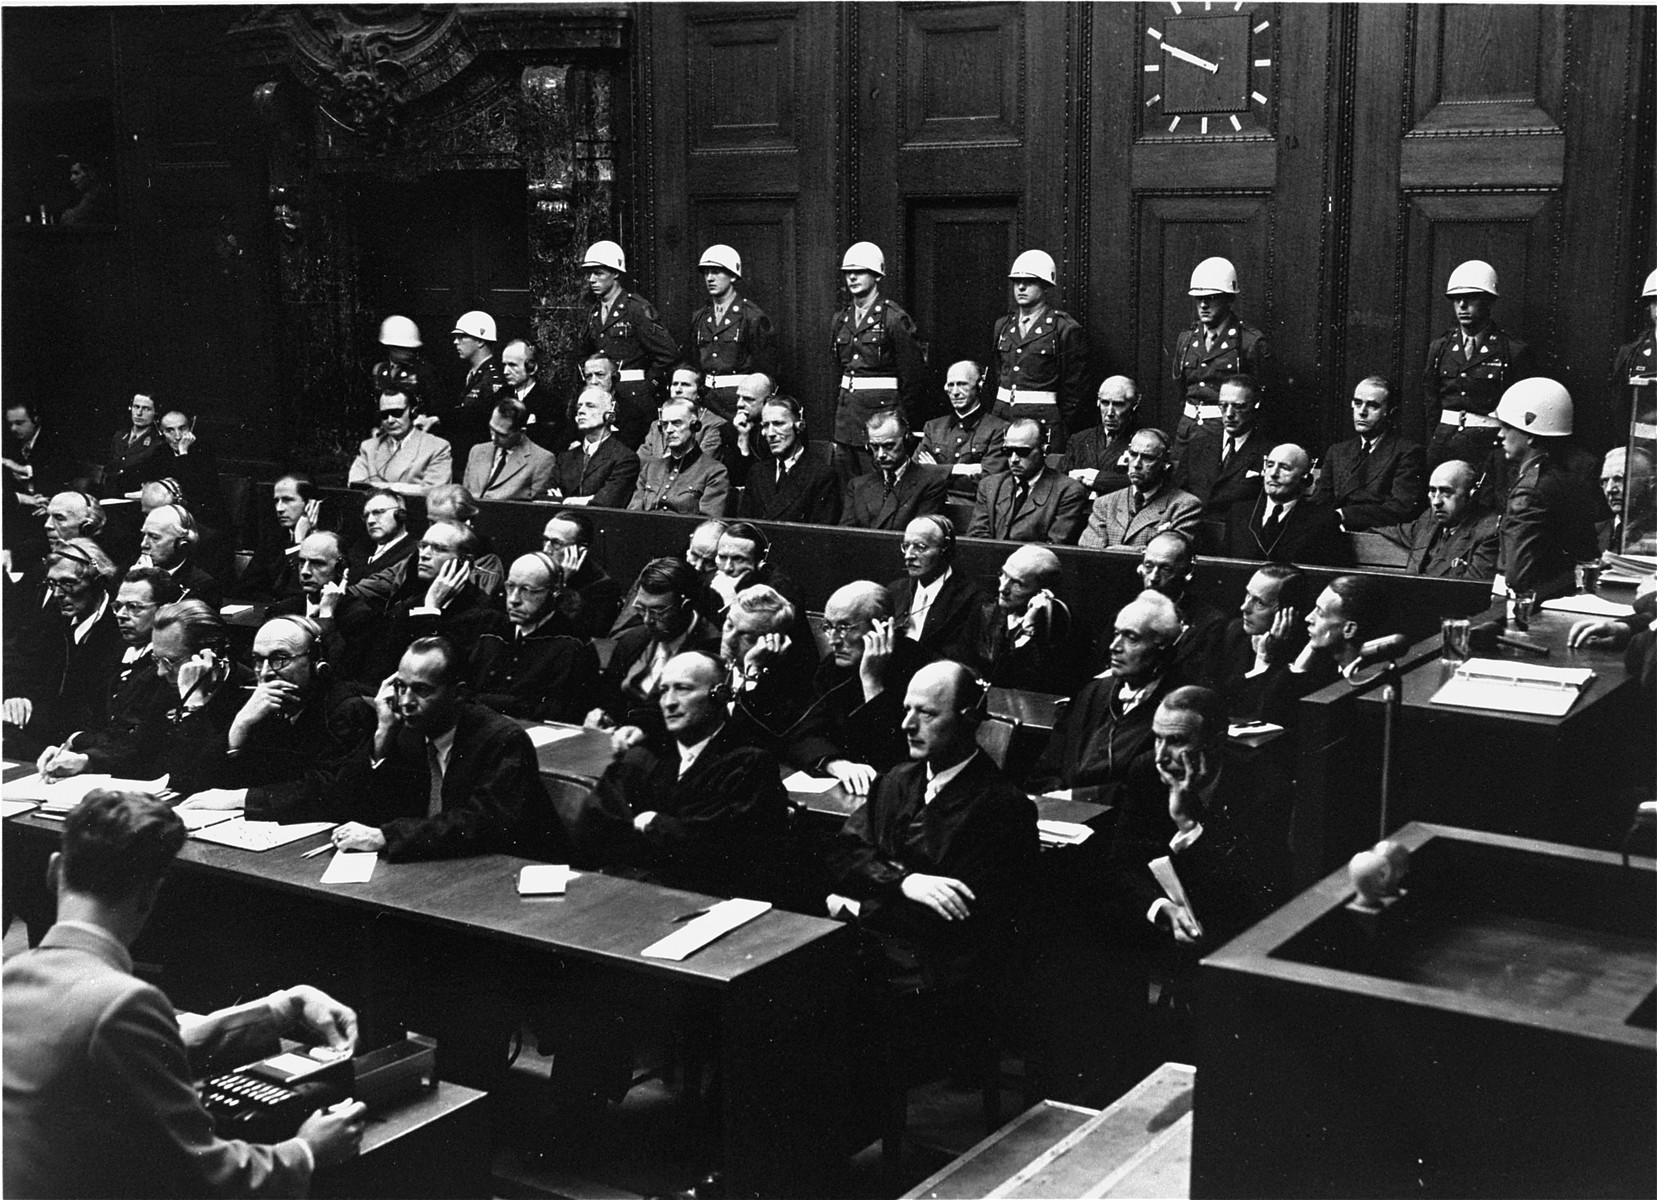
[16, 808]
[56, 798]
[351, 866]
[258, 836]
[809, 784]
[1168, 878]
[546, 735]
[1062, 833]
[1503, 686]
[715, 923]
[235, 610]
[544, 879]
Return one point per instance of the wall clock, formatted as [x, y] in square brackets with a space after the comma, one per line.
[1207, 69]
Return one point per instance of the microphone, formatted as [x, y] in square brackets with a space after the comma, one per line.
[1383, 649]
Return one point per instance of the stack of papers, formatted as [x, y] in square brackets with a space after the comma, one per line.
[1504, 686]
[546, 735]
[1589, 605]
[809, 784]
[258, 836]
[1062, 833]
[544, 879]
[58, 799]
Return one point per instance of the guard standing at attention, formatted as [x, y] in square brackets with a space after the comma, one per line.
[732, 337]
[1548, 524]
[1468, 369]
[1218, 346]
[879, 356]
[623, 327]
[1040, 353]
[404, 368]
[1636, 367]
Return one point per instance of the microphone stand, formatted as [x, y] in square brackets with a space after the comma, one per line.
[1392, 700]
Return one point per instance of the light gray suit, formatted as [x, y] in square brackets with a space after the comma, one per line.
[525, 475]
[420, 462]
[1113, 524]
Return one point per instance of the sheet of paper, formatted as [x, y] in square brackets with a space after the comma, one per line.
[544, 879]
[235, 610]
[1500, 696]
[1256, 734]
[7, 764]
[546, 735]
[351, 866]
[64, 794]
[258, 836]
[1059, 794]
[1067, 833]
[809, 784]
[1163, 869]
[201, 818]
[1589, 605]
[716, 922]
[13, 808]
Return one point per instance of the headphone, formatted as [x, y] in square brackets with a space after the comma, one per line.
[96, 516]
[73, 554]
[747, 532]
[186, 522]
[945, 527]
[318, 652]
[1185, 540]
[975, 691]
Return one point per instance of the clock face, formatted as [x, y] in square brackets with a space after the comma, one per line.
[1207, 70]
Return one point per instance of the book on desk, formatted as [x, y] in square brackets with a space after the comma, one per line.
[1504, 686]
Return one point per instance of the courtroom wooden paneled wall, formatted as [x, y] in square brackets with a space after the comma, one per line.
[1363, 152]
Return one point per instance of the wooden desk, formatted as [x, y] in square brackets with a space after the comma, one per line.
[775, 988]
[580, 759]
[433, 1144]
[1516, 773]
[1038, 710]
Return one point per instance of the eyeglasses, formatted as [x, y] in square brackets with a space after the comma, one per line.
[843, 629]
[378, 512]
[280, 661]
[393, 412]
[1023, 451]
[66, 587]
[170, 664]
[525, 589]
[657, 610]
[133, 606]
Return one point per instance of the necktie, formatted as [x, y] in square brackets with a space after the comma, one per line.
[1226, 449]
[1269, 526]
[495, 470]
[1208, 340]
[782, 470]
[1468, 345]
[434, 799]
[1021, 490]
[933, 787]
[891, 482]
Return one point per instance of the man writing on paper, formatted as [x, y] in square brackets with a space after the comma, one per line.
[98, 1092]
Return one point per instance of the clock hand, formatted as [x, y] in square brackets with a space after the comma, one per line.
[1211, 68]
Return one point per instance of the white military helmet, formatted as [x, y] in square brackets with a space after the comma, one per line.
[1214, 277]
[1650, 291]
[1537, 405]
[605, 254]
[1474, 275]
[400, 331]
[1035, 264]
[723, 258]
[476, 324]
[864, 256]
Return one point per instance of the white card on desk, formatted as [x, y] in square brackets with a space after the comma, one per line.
[351, 866]
[1068, 833]
[235, 610]
[801, 782]
[544, 879]
[546, 735]
[716, 922]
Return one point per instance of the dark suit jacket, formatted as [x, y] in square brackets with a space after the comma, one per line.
[1466, 552]
[1091, 449]
[289, 767]
[980, 829]
[721, 827]
[198, 584]
[376, 621]
[1092, 746]
[810, 492]
[1221, 486]
[1054, 511]
[1311, 533]
[608, 477]
[921, 491]
[1387, 486]
[590, 601]
[616, 697]
[126, 742]
[948, 631]
[492, 794]
[67, 681]
[551, 430]
[99, 1092]
[1055, 659]
[358, 556]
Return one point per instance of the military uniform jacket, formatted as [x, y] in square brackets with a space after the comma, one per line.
[633, 337]
[608, 475]
[1238, 349]
[1467, 550]
[717, 437]
[120, 468]
[1635, 360]
[1547, 529]
[1114, 523]
[1054, 509]
[1052, 357]
[974, 439]
[465, 421]
[886, 343]
[696, 483]
[1457, 381]
[1386, 486]
[738, 343]
[1093, 449]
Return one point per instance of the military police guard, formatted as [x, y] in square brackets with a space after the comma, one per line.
[731, 337]
[624, 328]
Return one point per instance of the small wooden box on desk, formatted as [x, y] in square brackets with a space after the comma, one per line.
[1494, 1035]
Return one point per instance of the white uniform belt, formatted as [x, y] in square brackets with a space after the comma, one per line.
[722, 381]
[631, 377]
[1461, 419]
[863, 383]
[1202, 412]
[1025, 396]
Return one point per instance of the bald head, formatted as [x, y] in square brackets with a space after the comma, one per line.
[1284, 472]
[1039, 561]
[941, 714]
[860, 600]
[1118, 400]
[961, 384]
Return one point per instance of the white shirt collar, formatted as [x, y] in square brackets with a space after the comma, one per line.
[689, 754]
[937, 781]
[928, 592]
[788, 463]
[86, 624]
[445, 744]
[384, 546]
